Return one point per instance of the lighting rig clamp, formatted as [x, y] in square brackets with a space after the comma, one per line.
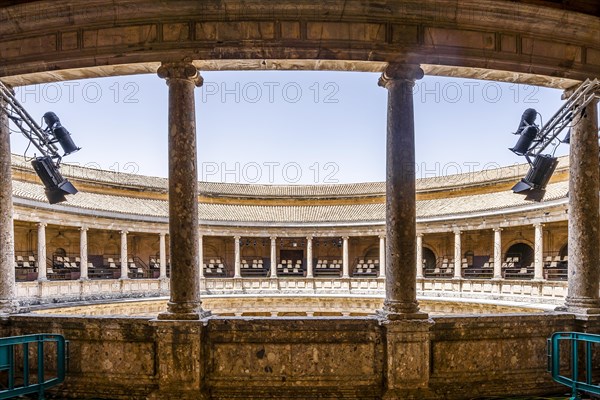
[46, 165]
[534, 140]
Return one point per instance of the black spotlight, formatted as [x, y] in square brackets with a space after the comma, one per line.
[538, 176]
[527, 131]
[567, 138]
[56, 185]
[60, 133]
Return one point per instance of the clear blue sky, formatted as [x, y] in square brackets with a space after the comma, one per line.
[289, 127]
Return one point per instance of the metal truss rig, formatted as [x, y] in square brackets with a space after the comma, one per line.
[41, 139]
[575, 104]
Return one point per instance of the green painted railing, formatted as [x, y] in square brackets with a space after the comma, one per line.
[577, 361]
[16, 377]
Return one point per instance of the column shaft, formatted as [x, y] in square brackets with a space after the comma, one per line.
[497, 253]
[457, 255]
[83, 253]
[238, 259]
[309, 257]
[124, 259]
[584, 237]
[201, 255]
[162, 246]
[419, 255]
[382, 256]
[7, 239]
[41, 251]
[401, 294]
[538, 266]
[182, 78]
[273, 256]
[345, 260]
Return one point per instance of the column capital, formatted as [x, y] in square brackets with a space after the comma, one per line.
[237, 238]
[345, 237]
[42, 224]
[381, 236]
[84, 228]
[273, 238]
[182, 70]
[498, 229]
[456, 231]
[124, 231]
[309, 237]
[163, 233]
[538, 225]
[394, 72]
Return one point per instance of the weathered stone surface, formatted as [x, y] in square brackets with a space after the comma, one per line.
[584, 234]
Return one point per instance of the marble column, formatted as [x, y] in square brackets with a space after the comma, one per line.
[419, 255]
[273, 256]
[401, 293]
[309, 257]
[457, 255]
[184, 303]
[124, 258]
[41, 251]
[497, 253]
[538, 265]
[8, 289]
[201, 255]
[345, 261]
[238, 258]
[584, 237]
[162, 255]
[83, 253]
[382, 256]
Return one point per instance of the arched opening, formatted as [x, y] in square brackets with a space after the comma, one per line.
[523, 251]
[564, 252]
[429, 257]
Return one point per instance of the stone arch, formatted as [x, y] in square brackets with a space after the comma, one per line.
[430, 257]
[522, 250]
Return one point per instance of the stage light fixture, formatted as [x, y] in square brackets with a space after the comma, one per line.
[527, 130]
[56, 185]
[60, 133]
[538, 176]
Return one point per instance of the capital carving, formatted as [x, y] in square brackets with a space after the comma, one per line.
[180, 70]
[394, 72]
[84, 228]
[42, 224]
[273, 238]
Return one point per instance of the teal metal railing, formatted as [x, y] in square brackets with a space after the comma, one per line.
[578, 361]
[15, 364]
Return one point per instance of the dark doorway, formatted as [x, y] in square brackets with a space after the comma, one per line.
[293, 255]
[523, 251]
[429, 257]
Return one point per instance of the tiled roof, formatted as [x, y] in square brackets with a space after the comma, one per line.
[216, 189]
[133, 206]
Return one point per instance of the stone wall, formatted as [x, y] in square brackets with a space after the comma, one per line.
[332, 358]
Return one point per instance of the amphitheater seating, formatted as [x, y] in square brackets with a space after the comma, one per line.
[289, 268]
[366, 267]
[254, 268]
[325, 267]
[214, 268]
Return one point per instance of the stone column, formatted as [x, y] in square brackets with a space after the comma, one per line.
[273, 256]
[201, 255]
[309, 257]
[41, 251]
[124, 259]
[538, 269]
[83, 253]
[345, 261]
[382, 256]
[8, 289]
[419, 255]
[182, 78]
[401, 293]
[162, 254]
[497, 253]
[457, 255]
[238, 259]
[584, 237]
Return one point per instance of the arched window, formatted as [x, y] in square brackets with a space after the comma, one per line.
[523, 251]
[429, 257]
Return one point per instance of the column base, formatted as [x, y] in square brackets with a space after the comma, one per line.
[401, 311]
[582, 306]
[183, 311]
